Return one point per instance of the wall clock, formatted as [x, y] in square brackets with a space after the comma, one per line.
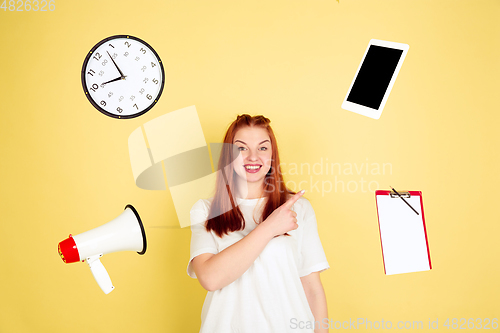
[123, 76]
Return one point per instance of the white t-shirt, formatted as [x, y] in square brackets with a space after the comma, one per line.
[268, 297]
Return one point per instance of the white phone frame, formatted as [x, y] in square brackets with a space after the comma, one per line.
[367, 111]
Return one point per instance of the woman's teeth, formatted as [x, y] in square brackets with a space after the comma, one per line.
[252, 167]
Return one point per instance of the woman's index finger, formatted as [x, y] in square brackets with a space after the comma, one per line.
[294, 199]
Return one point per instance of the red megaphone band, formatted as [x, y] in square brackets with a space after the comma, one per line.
[68, 250]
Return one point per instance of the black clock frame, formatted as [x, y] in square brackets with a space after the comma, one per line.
[97, 106]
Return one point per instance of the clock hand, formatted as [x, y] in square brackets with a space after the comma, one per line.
[117, 79]
[123, 76]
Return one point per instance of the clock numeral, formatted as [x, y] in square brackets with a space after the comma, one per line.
[142, 50]
[103, 103]
[114, 56]
[110, 94]
[119, 109]
[89, 72]
[127, 43]
[120, 99]
[132, 97]
[145, 80]
[97, 56]
[143, 68]
[111, 45]
[137, 58]
[105, 62]
[141, 91]
[101, 73]
[126, 54]
[148, 96]
[155, 81]
[136, 106]
[94, 87]
[153, 64]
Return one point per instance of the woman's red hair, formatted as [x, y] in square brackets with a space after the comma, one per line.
[225, 216]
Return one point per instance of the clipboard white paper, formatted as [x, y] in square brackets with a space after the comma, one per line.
[403, 235]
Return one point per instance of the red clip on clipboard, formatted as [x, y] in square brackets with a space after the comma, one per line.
[403, 235]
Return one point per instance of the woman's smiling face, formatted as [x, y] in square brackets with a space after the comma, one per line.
[254, 161]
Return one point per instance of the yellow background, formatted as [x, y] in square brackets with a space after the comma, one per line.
[65, 167]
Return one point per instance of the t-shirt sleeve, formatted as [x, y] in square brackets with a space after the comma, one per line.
[312, 253]
[202, 241]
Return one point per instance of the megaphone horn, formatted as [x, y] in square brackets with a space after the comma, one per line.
[124, 233]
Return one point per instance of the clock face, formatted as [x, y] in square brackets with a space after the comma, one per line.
[123, 76]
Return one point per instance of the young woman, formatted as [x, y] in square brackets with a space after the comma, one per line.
[255, 246]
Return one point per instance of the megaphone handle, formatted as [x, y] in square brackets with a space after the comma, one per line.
[100, 273]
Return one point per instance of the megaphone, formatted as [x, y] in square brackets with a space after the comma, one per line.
[124, 233]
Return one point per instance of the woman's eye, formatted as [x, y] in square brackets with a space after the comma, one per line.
[241, 148]
[263, 148]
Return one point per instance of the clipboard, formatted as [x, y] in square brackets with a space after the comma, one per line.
[403, 236]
